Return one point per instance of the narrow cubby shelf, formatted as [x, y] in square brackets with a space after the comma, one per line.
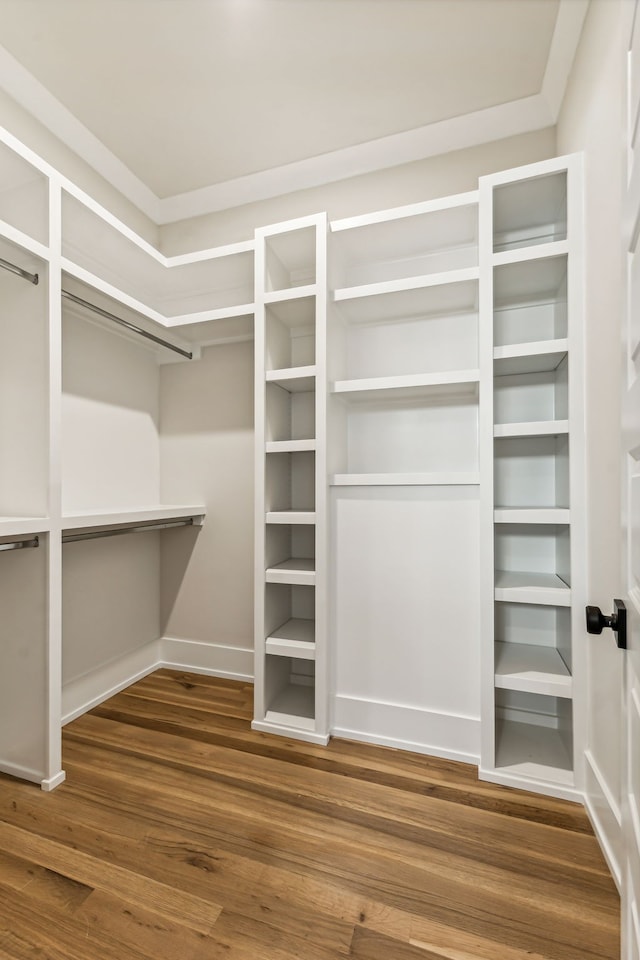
[534, 428]
[531, 587]
[290, 342]
[294, 707]
[536, 357]
[297, 570]
[290, 446]
[551, 248]
[531, 473]
[530, 301]
[290, 516]
[532, 668]
[531, 515]
[533, 752]
[293, 379]
[292, 295]
[296, 637]
[530, 211]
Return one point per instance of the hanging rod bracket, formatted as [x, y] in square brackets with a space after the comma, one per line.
[19, 272]
[20, 544]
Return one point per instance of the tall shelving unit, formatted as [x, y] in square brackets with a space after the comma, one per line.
[291, 661]
[533, 476]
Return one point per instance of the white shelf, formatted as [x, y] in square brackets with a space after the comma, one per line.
[448, 279]
[290, 446]
[290, 516]
[293, 707]
[404, 479]
[531, 668]
[290, 294]
[104, 518]
[533, 752]
[545, 588]
[537, 428]
[19, 526]
[295, 638]
[539, 251]
[299, 570]
[293, 379]
[531, 515]
[542, 356]
[409, 387]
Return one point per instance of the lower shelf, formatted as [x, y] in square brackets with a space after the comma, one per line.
[532, 669]
[533, 752]
[293, 707]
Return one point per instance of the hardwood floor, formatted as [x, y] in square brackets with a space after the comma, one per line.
[180, 834]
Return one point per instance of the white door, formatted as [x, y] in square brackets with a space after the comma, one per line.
[630, 519]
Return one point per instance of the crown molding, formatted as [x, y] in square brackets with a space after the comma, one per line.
[494, 123]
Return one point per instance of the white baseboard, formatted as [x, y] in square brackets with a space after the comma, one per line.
[407, 728]
[94, 688]
[21, 772]
[212, 659]
[604, 813]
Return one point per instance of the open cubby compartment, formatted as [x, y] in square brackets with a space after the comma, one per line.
[290, 548]
[290, 259]
[531, 472]
[110, 414]
[23, 679]
[290, 413]
[289, 611]
[24, 386]
[534, 735]
[426, 330]
[542, 396]
[289, 685]
[406, 242]
[24, 195]
[290, 481]
[530, 301]
[533, 648]
[529, 212]
[220, 279]
[536, 555]
[420, 435]
[290, 334]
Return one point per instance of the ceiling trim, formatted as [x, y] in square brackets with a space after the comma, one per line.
[494, 123]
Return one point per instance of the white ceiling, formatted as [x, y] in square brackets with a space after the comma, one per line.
[207, 103]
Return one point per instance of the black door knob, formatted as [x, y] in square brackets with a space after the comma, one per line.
[597, 621]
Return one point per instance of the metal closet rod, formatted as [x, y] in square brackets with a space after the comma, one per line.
[96, 534]
[126, 323]
[19, 272]
[20, 544]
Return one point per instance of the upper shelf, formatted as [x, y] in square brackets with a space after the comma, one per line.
[536, 357]
[23, 526]
[423, 238]
[194, 286]
[409, 387]
[530, 212]
[158, 514]
[434, 295]
[24, 198]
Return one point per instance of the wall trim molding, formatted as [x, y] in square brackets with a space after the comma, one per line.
[605, 816]
[448, 736]
[494, 123]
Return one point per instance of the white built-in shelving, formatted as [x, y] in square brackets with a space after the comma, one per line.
[533, 504]
[291, 658]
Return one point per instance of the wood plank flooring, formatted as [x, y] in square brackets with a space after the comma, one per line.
[180, 834]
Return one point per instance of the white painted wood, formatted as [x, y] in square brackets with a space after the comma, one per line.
[290, 516]
[294, 379]
[403, 479]
[299, 570]
[532, 668]
[531, 587]
[107, 518]
[460, 276]
[409, 387]
[542, 428]
[532, 515]
[289, 446]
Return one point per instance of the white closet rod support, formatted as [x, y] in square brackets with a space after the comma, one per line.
[19, 272]
[20, 544]
[96, 534]
[127, 324]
